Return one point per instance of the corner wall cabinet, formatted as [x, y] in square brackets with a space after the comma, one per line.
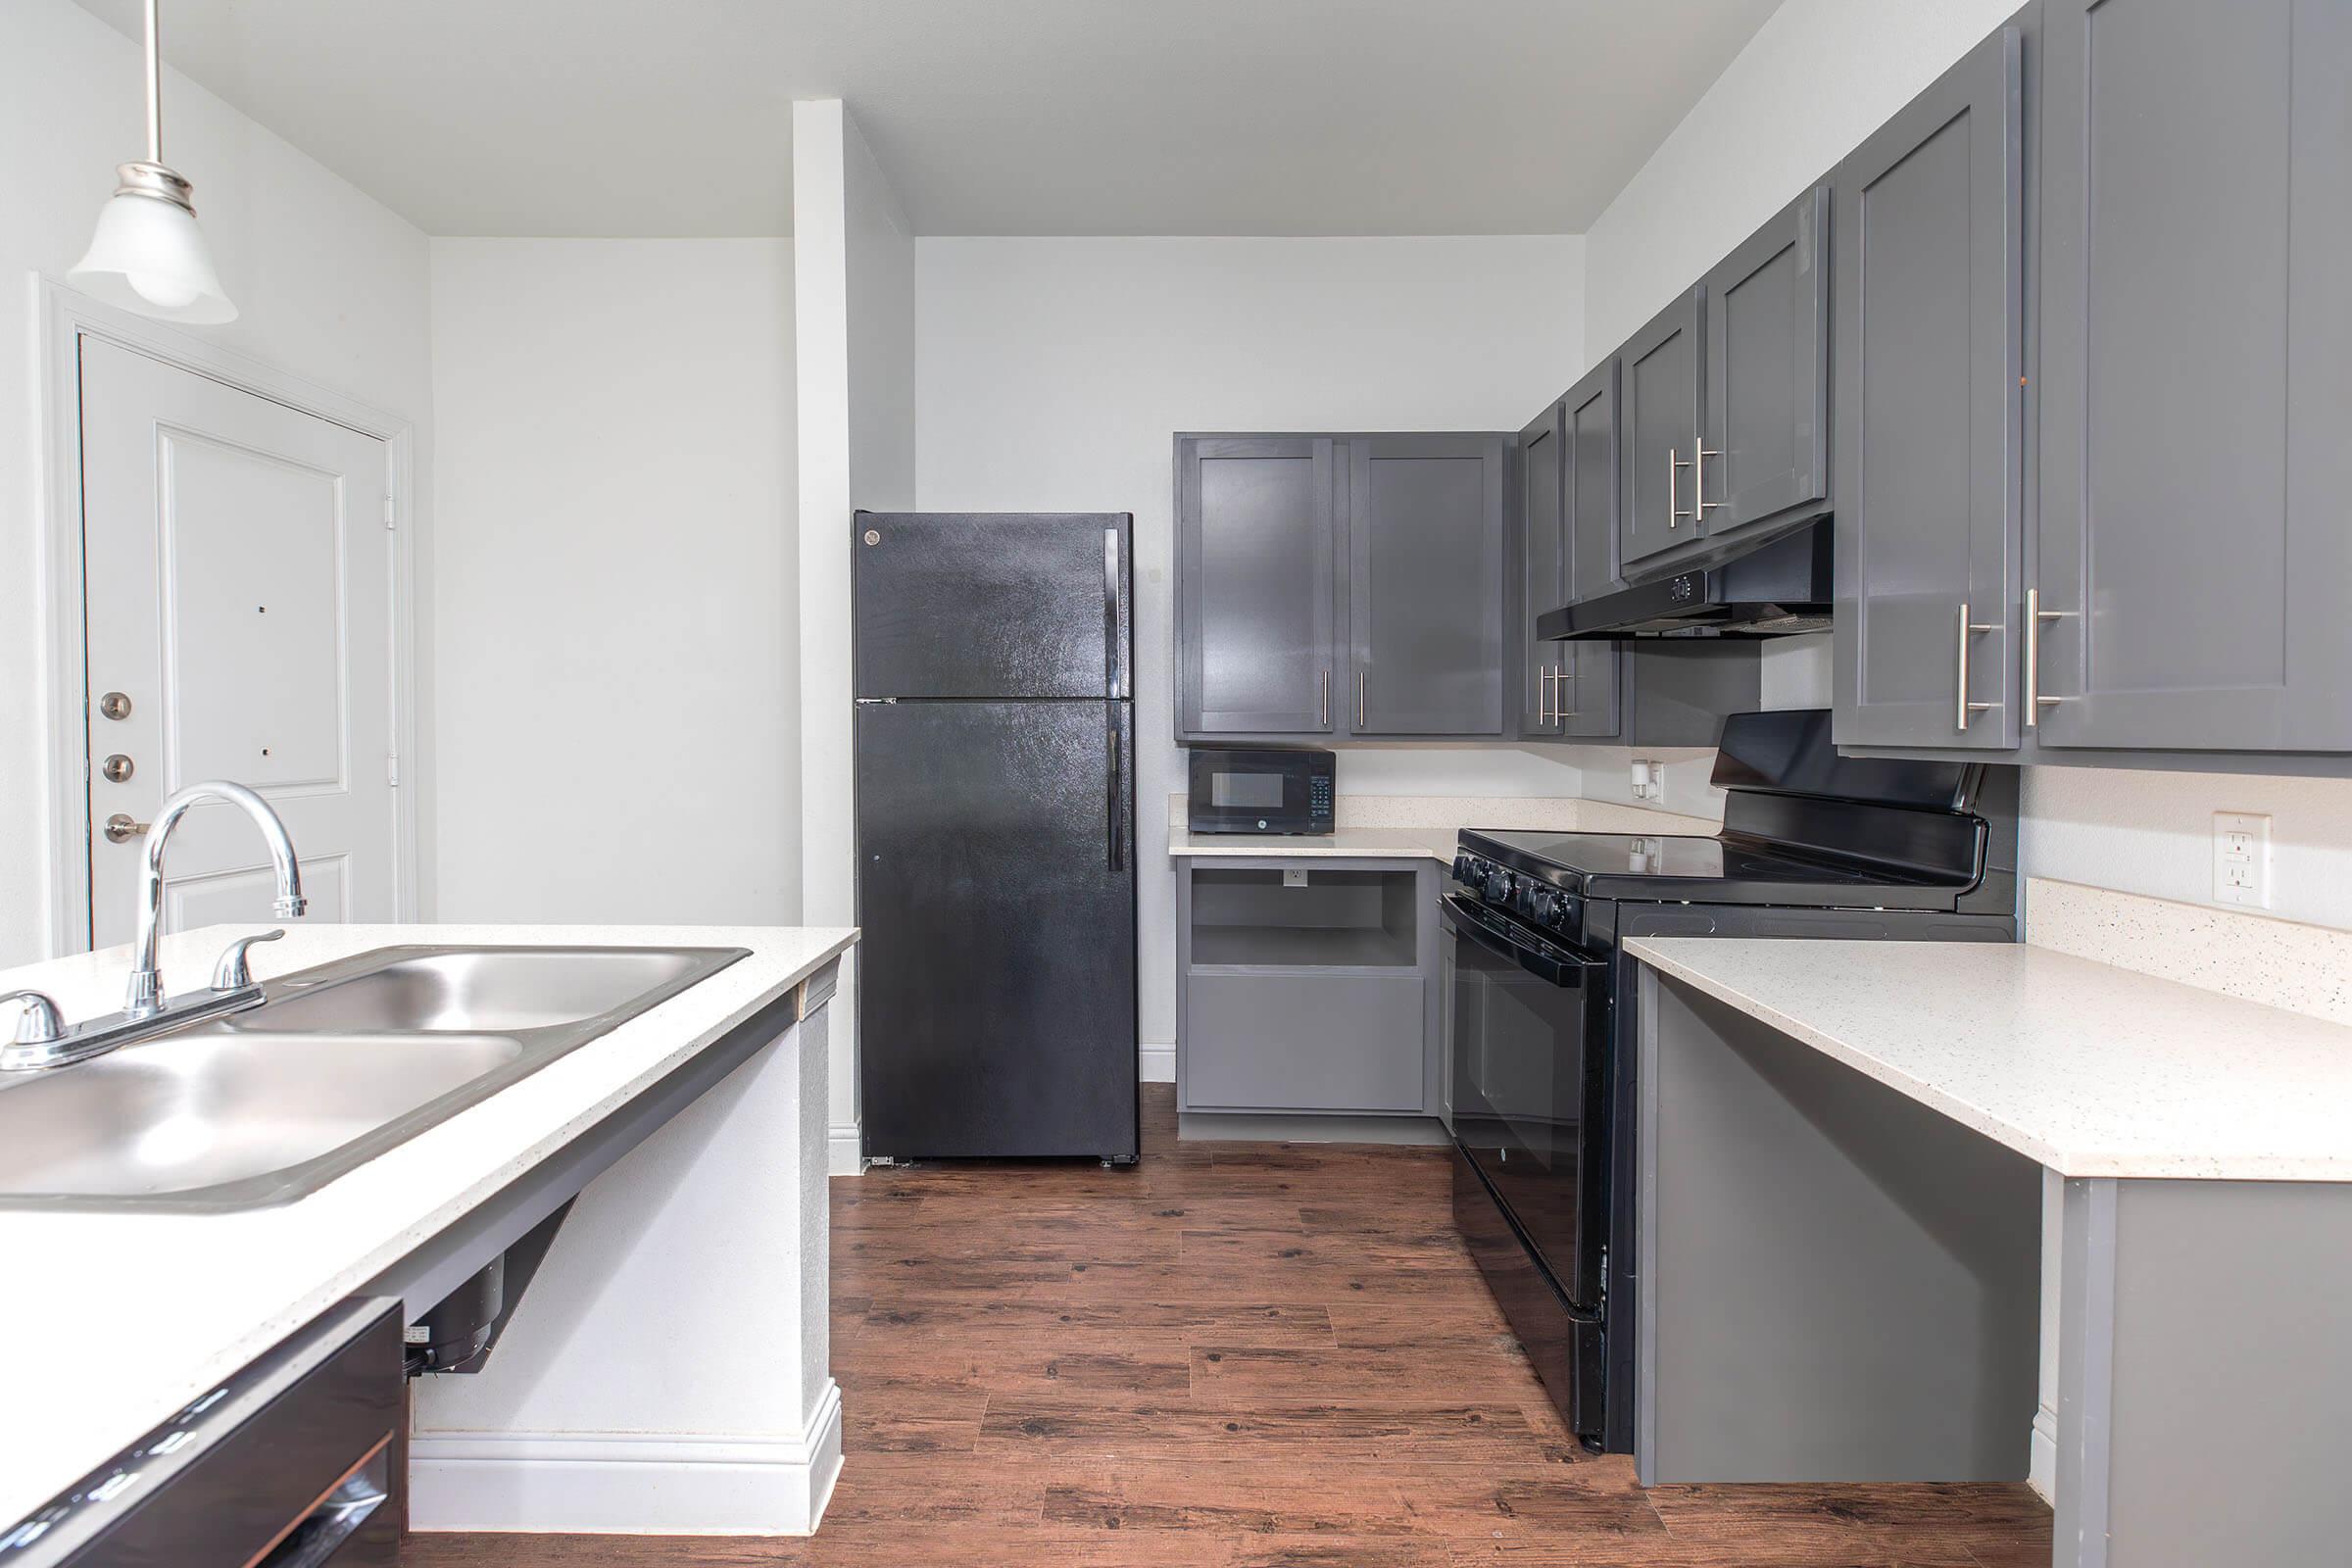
[1565, 523]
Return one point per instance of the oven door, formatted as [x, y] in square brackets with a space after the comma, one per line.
[1529, 1044]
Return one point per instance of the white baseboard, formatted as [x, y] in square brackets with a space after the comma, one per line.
[627, 1483]
[1155, 1062]
[2042, 1463]
[844, 1150]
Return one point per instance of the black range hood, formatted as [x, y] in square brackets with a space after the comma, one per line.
[1777, 589]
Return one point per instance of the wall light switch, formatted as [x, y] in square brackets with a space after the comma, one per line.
[2241, 859]
[1294, 877]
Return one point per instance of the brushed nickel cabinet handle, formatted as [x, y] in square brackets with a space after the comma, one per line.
[1674, 465]
[1963, 710]
[1699, 479]
[1543, 694]
[1359, 699]
[1560, 714]
[1323, 700]
[2035, 616]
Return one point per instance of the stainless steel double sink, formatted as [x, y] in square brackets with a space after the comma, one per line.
[331, 1069]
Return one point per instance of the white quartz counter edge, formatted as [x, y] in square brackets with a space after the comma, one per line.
[155, 1307]
[2086, 1068]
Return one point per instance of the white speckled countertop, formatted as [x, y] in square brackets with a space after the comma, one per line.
[143, 1312]
[2089, 1070]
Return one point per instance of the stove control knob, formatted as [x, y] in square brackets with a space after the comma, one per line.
[1499, 885]
[1465, 869]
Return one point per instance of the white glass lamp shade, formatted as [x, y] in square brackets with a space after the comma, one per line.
[148, 256]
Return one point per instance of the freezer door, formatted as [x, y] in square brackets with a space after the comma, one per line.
[993, 603]
[996, 889]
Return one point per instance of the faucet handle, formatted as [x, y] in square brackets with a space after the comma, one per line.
[39, 1023]
[232, 974]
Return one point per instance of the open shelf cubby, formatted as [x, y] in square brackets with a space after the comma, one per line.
[1339, 920]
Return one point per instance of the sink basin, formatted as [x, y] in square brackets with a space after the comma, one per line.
[491, 989]
[332, 1067]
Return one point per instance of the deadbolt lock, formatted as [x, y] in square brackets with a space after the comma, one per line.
[114, 705]
[117, 768]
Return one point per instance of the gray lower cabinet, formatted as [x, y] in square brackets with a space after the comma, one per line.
[1658, 427]
[1257, 529]
[1425, 584]
[1930, 333]
[2196, 376]
[1307, 986]
[1764, 464]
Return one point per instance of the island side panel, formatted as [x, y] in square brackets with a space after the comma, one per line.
[2205, 1400]
[1840, 1283]
[666, 1371]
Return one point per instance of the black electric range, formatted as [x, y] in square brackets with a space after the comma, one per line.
[1542, 1087]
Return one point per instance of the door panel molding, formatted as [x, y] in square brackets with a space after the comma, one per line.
[66, 318]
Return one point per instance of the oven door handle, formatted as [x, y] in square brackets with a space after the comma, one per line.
[1561, 969]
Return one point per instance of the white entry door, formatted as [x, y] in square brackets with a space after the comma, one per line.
[238, 594]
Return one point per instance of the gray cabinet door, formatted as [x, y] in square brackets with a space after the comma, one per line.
[1930, 333]
[2196, 376]
[1660, 427]
[1540, 568]
[1426, 546]
[1256, 585]
[1766, 376]
[1586, 696]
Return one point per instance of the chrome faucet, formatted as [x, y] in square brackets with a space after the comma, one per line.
[145, 998]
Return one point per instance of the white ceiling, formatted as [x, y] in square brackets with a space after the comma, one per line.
[993, 116]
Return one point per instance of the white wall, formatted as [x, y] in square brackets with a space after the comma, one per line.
[854, 304]
[1051, 375]
[330, 285]
[1817, 78]
[616, 583]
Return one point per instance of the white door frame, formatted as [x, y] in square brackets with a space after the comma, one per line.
[67, 318]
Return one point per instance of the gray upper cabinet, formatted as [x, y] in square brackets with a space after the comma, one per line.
[1539, 533]
[1930, 335]
[1765, 378]
[2196, 377]
[1661, 421]
[1586, 697]
[1258, 530]
[1426, 542]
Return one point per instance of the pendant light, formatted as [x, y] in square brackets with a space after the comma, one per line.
[148, 256]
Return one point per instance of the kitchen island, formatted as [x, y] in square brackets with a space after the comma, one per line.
[1842, 1154]
[724, 1194]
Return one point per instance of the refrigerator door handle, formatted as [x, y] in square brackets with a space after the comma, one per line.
[1110, 611]
[1117, 848]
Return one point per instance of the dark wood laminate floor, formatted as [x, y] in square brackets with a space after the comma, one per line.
[1236, 1354]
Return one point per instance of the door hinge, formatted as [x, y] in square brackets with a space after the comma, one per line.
[390, 512]
[392, 769]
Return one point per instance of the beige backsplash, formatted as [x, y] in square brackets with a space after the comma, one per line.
[2240, 953]
[1448, 813]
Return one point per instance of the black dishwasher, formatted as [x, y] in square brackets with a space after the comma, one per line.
[291, 1462]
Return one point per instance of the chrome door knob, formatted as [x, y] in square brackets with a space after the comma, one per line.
[120, 829]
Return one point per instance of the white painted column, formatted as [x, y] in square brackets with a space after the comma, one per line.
[854, 308]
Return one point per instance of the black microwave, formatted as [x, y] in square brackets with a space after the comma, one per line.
[1258, 790]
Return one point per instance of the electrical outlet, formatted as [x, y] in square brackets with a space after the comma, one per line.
[1294, 877]
[2241, 859]
[1648, 779]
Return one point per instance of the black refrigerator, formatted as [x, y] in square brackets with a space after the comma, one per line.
[995, 834]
